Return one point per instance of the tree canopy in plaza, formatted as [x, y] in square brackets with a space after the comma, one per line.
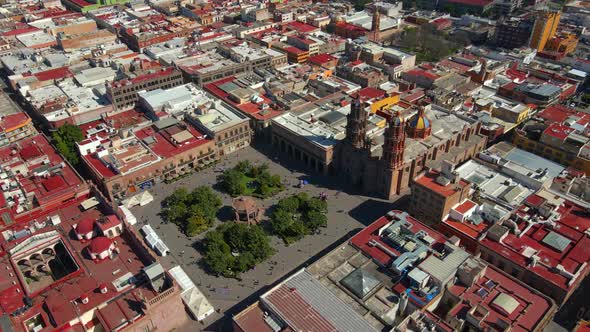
[233, 248]
[252, 180]
[193, 211]
[297, 216]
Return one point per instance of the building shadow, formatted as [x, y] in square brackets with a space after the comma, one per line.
[372, 209]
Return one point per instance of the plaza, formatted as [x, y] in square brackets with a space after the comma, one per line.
[225, 294]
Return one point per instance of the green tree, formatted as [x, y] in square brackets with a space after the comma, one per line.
[257, 243]
[234, 182]
[65, 139]
[280, 221]
[243, 166]
[217, 254]
[244, 262]
[196, 224]
[360, 4]
[289, 204]
[314, 220]
[177, 196]
[207, 201]
[194, 212]
[175, 213]
[317, 205]
[298, 215]
[249, 244]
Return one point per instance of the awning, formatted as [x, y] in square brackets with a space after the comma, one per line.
[89, 203]
[140, 199]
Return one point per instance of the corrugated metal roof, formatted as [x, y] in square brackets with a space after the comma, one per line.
[328, 305]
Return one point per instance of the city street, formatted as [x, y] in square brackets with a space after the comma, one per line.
[347, 214]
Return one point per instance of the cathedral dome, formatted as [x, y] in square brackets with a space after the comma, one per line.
[419, 121]
[419, 125]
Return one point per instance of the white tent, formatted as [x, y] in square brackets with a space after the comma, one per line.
[141, 199]
[154, 241]
[197, 303]
[192, 297]
[129, 217]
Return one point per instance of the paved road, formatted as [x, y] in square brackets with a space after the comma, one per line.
[346, 214]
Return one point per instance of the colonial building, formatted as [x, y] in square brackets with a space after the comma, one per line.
[410, 144]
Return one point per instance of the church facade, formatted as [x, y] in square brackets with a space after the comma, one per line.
[411, 144]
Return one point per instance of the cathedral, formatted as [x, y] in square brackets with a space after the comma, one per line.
[412, 142]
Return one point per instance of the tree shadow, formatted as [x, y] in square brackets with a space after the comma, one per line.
[225, 213]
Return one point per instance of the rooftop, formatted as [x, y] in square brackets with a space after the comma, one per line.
[119, 155]
[508, 186]
[258, 105]
[171, 140]
[545, 235]
[307, 305]
[445, 188]
[57, 300]
[502, 299]
[34, 177]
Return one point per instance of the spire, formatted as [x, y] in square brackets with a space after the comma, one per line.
[395, 142]
[356, 123]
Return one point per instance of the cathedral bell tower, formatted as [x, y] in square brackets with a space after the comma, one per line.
[376, 25]
[395, 142]
[356, 123]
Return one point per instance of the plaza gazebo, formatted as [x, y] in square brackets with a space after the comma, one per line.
[246, 210]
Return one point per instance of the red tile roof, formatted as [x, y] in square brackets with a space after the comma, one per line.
[85, 226]
[99, 244]
[301, 27]
[465, 206]
[556, 113]
[371, 93]
[423, 73]
[251, 109]
[558, 131]
[527, 316]
[571, 225]
[48, 193]
[321, 59]
[53, 183]
[13, 121]
[165, 147]
[53, 74]
[370, 233]
[16, 32]
[252, 319]
[428, 181]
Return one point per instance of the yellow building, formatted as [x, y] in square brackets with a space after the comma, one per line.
[564, 43]
[516, 114]
[550, 152]
[544, 29]
[384, 103]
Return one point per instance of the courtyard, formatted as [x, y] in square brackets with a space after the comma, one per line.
[347, 214]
